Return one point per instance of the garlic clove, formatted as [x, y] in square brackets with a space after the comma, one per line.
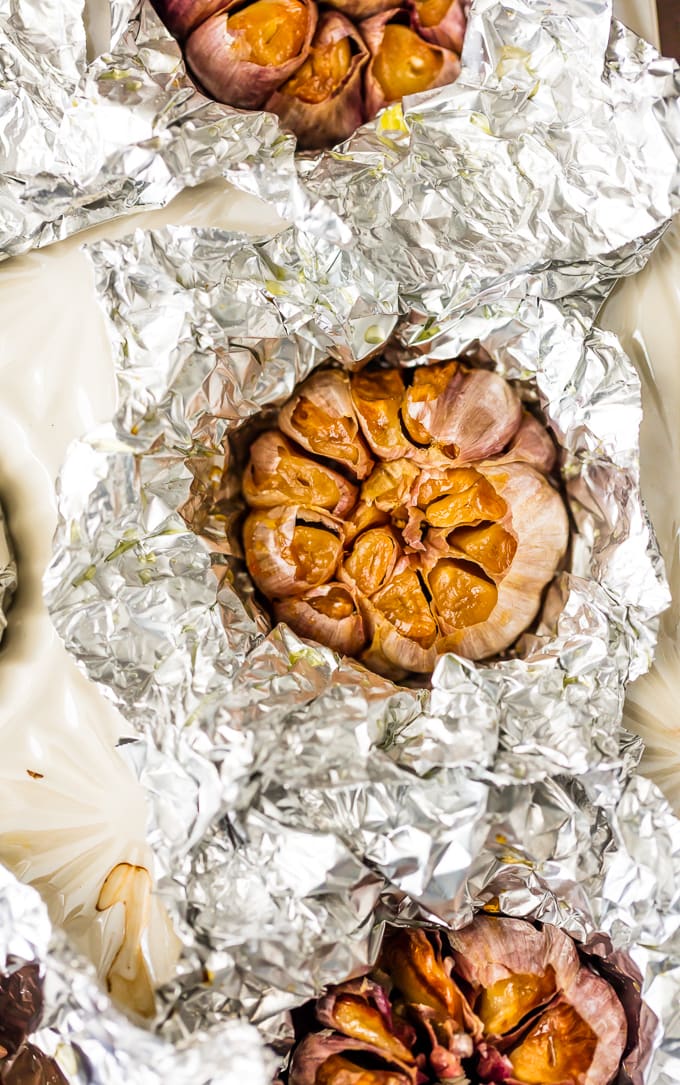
[402, 63]
[361, 1010]
[413, 960]
[321, 418]
[577, 1035]
[325, 1059]
[377, 398]
[322, 102]
[441, 21]
[241, 57]
[389, 486]
[362, 517]
[290, 549]
[278, 473]
[537, 520]
[401, 626]
[327, 614]
[462, 595]
[371, 561]
[472, 415]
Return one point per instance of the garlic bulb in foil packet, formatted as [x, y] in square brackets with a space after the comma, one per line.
[296, 797]
[453, 187]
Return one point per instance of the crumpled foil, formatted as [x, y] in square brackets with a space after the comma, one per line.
[297, 800]
[8, 572]
[93, 1043]
[554, 156]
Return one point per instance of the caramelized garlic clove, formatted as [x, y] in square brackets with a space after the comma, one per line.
[402, 629]
[377, 398]
[241, 57]
[413, 961]
[402, 63]
[290, 549]
[472, 415]
[442, 22]
[370, 563]
[322, 103]
[537, 521]
[278, 473]
[361, 1010]
[326, 1059]
[320, 416]
[327, 614]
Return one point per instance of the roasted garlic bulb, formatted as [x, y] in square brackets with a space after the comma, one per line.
[500, 1001]
[323, 68]
[395, 520]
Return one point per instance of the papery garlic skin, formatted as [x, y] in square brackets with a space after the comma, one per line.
[444, 528]
[233, 70]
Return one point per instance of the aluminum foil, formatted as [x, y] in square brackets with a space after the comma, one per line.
[553, 157]
[8, 573]
[92, 1042]
[296, 799]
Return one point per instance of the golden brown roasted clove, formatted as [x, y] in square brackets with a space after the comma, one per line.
[323, 101]
[242, 54]
[402, 62]
[446, 535]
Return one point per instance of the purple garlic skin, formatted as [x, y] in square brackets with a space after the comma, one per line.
[231, 63]
[324, 115]
[183, 16]
[360, 9]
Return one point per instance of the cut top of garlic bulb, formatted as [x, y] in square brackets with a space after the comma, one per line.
[396, 515]
[501, 1001]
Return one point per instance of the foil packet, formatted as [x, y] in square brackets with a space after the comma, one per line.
[553, 157]
[90, 1041]
[296, 801]
[8, 572]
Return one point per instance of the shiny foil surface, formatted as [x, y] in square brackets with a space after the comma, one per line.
[296, 801]
[8, 572]
[92, 1042]
[557, 145]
